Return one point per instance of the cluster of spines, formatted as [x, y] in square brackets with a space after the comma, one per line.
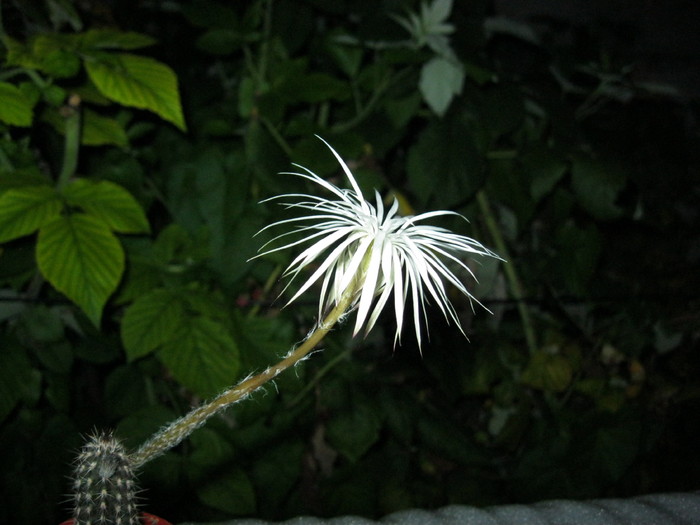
[104, 489]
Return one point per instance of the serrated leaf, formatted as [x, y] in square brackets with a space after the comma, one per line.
[81, 258]
[139, 82]
[99, 131]
[201, 355]
[26, 209]
[150, 321]
[440, 81]
[16, 108]
[109, 202]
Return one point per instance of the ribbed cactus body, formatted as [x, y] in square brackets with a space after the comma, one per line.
[103, 485]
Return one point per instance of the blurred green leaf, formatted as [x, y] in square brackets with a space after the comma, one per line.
[150, 321]
[99, 131]
[202, 355]
[348, 58]
[440, 81]
[445, 437]
[548, 371]
[54, 55]
[442, 173]
[230, 491]
[16, 108]
[277, 472]
[112, 39]
[354, 431]
[43, 323]
[63, 11]
[210, 448]
[544, 170]
[597, 186]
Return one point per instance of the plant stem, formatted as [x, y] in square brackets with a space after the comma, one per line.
[70, 150]
[180, 429]
[384, 84]
[5, 162]
[514, 282]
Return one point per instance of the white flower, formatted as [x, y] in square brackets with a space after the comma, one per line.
[370, 252]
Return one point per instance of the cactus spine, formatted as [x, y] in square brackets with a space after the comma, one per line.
[103, 484]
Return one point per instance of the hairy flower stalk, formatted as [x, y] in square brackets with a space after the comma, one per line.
[172, 434]
[363, 254]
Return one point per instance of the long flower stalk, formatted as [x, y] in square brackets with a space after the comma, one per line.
[366, 254]
[516, 287]
[172, 434]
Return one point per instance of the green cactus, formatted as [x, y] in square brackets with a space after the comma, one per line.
[104, 490]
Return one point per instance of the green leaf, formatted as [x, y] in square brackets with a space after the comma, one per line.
[19, 54]
[139, 82]
[16, 108]
[43, 324]
[277, 471]
[440, 81]
[597, 186]
[100, 131]
[110, 203]
[111, 39]
[547, 371]
[82, 259]
[348, 58]
[209, 448]
[201, 355]
[150, 321]
[544, 169]
[60, 64]
[63, 11]
[26, 209]
[231, 492]
[353, 432]
[55, 55]
[442, 173]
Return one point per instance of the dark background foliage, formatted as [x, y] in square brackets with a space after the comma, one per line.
[562, 134]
